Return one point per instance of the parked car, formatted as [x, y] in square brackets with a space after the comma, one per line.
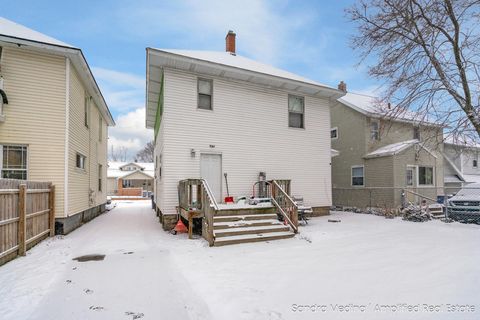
[464, 206]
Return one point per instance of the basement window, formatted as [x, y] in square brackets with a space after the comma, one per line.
[205, 93]
[296, 111]
[13, 162]
[81, 160]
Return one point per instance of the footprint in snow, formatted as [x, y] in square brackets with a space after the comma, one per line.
[134, 315]
[96, 308]
[88, 291]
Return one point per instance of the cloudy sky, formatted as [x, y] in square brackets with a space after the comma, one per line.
[310, 38]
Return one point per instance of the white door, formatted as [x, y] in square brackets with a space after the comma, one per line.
[211, 170]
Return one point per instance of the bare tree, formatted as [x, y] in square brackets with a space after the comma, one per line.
[426, 54]
[147, 153]
[118, 153]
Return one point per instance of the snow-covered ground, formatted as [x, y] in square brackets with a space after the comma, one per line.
[364, 267]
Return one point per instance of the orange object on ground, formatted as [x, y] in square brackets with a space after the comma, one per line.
[180, 227]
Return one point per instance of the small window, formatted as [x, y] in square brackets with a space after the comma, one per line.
[13, 162]
[205, 93]
[296, 110]
[100, 127]
[409, 177]
[425, 176]
[100, 173]
[374, 131]
[334, 133]
[416, 133]
[81, 160]
[357, 176]
[86, 110]
[475, 163]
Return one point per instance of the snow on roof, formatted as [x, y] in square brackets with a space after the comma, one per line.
[472, 178]
[452, 179]
[391, 149]
[114, 170]
[11, 29]
[237, 61]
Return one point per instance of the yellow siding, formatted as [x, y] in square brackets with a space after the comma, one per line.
[83, 184]
[35, 115]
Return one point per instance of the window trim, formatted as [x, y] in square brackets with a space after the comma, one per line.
[336, 133]
[198, 93]
[100, 177]
[84, 162]
[418, 177]
[412, 169]
[27, 161]
[303, 114]
[377, 131]
[351, 176]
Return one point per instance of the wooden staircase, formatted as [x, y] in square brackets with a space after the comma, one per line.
[232, 226]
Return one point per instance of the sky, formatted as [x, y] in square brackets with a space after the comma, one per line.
[310, 38]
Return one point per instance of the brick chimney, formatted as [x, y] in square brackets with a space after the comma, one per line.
[230, 42]
[342, 86]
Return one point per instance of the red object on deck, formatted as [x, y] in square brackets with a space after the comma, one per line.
[180, 227]
[228, 199]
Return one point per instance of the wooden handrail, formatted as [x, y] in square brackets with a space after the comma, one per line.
[287, 208]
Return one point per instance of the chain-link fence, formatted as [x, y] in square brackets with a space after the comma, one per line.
[449, 203]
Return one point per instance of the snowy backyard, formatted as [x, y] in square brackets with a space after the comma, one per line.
[364, 267]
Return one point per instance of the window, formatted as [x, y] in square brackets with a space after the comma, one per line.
[205, 92]
[409, 177]
[425, 176]
[334, 133]
[357, 176]
[100, 169]
[374, 131]
[475, 163]
[416, 133]
[100, 127]
[13, 162]
[81, 160]
[296, 110]
[86, 110]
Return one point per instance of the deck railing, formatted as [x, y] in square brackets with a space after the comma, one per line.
[280, 191]
[195, 194]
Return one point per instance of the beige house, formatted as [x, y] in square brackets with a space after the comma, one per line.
[53, 122]
[130, 178]
[379, 156]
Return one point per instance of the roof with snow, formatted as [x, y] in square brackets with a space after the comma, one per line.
[391, 149]
[12, 33]
[226, 65]
[119, 169]
[373, 107]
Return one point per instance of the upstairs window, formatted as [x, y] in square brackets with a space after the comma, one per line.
[475, 163]
[86, 110]
[81, 161]
[296, 111]
[13, 162]
[416, 133]
[334, 133]
[374, 131]
[205, 93]
[358, 176]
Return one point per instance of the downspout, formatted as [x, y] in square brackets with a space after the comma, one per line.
[67, 121]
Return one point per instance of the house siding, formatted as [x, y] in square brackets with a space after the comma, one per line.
[249, 127]
[35, 116]
[83, 190]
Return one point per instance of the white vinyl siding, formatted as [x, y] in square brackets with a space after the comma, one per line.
[249, 130]
[35, 115]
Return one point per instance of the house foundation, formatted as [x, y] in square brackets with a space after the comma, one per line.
[66, 225]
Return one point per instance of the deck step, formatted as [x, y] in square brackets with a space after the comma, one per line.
[246, 238]
[245, 211]
[217, 218]
[245, 224]
[250, 230]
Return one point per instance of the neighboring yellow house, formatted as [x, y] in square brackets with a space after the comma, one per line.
[53, 122]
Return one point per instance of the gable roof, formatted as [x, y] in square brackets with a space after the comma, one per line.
[371, 106]
[226, 65]
[114, 169]
[395, 148]
[16, 34]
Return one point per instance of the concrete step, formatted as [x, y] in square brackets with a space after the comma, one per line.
[245, 211]
[246, 238]
[217, 218]
[245, 224]
[250, 230]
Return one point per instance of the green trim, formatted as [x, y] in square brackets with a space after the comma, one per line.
[158, 116]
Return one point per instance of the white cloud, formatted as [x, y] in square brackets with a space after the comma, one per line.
[130, 132]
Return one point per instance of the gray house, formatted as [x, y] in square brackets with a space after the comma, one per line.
[379, 155]
[461, 165]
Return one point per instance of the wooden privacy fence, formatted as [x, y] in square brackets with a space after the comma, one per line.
[27, 216]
